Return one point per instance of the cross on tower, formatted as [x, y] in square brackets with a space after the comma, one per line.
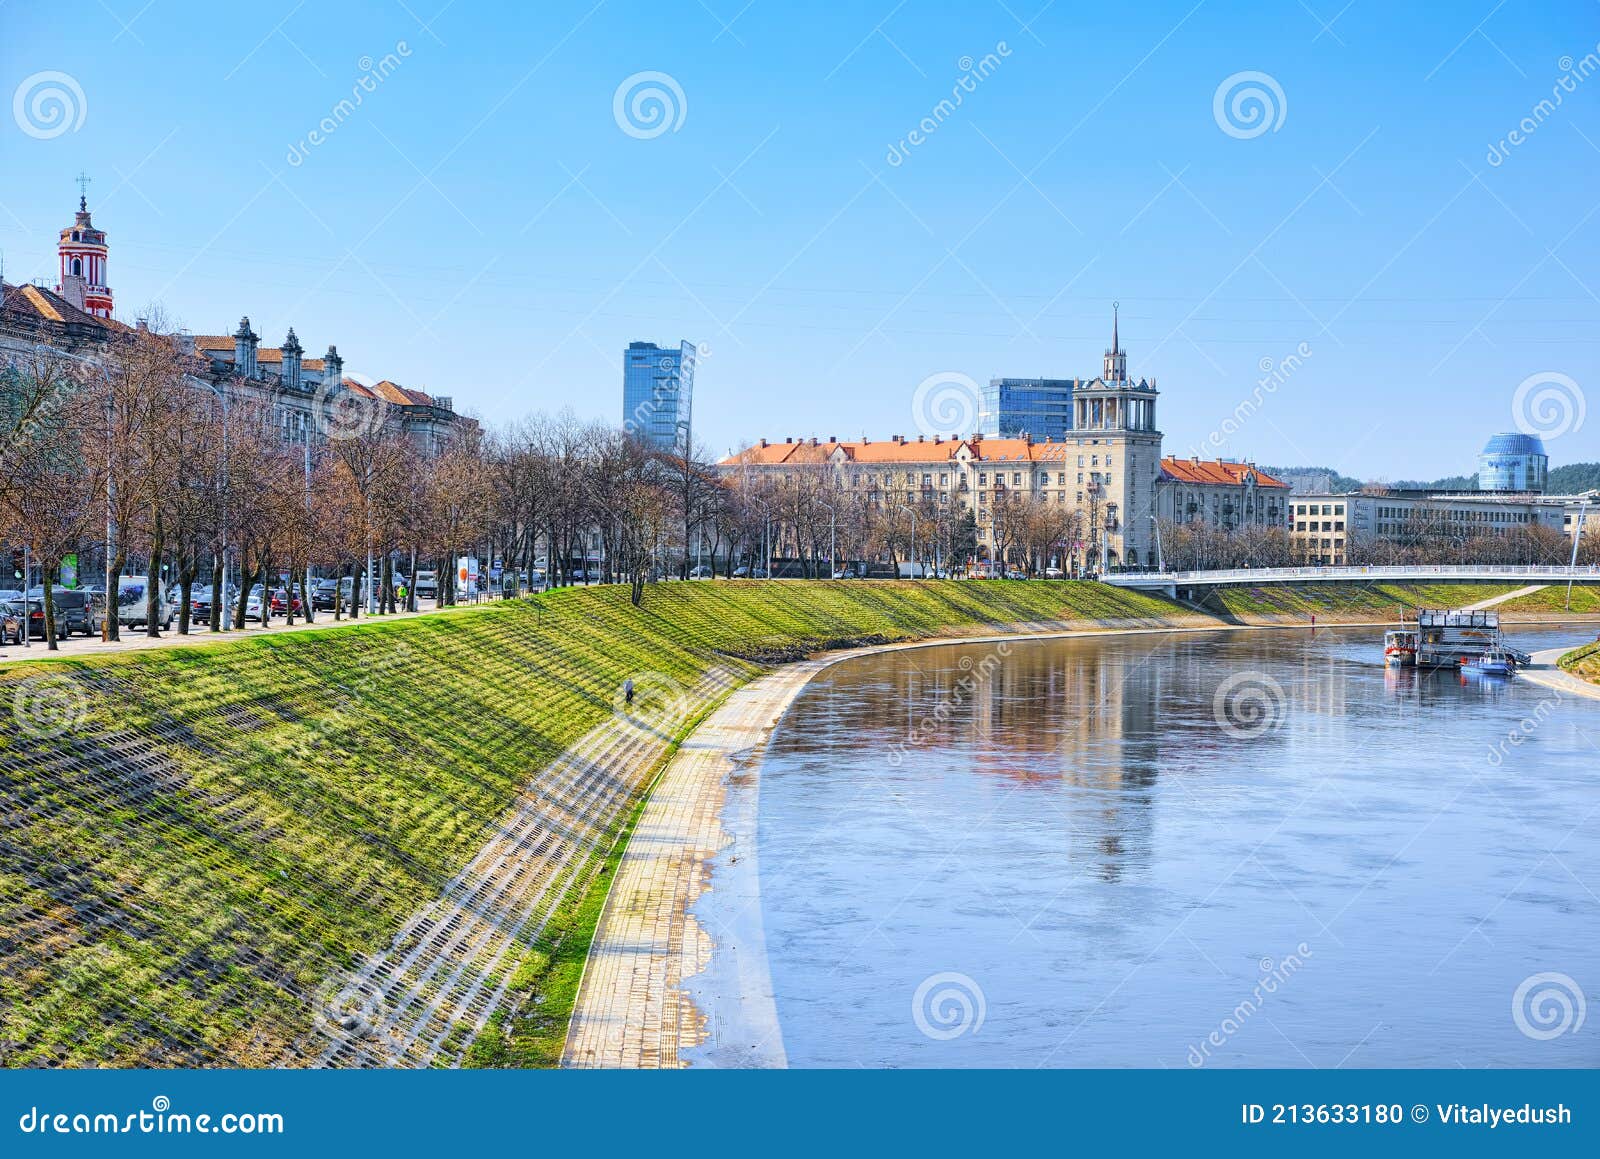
[83, 190]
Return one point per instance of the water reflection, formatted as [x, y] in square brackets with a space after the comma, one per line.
[1102, 835]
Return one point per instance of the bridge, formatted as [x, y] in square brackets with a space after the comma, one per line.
[1170, 582]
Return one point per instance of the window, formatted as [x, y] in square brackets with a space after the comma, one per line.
[1080, 457]
[1061, 479]
[944, 478]
[983, 478]
[77, 266]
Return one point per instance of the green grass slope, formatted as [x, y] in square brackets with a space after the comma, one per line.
[1352, 601]
[192, 839]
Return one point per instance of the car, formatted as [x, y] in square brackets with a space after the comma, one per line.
[1016, 574]
[132, 603]
[74, 611]
[700, 571]
[281, 601]
[324, 591]
[200, 603]
[427, 583]
[14, 620]
[1052, 573]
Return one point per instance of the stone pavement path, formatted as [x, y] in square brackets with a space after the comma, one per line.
[1494, 600]
[633, 1009]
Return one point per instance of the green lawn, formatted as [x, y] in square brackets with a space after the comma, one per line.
[1553, 599]
[195, 837]
[1583, 662]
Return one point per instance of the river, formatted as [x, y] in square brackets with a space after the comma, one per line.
[1221, 849]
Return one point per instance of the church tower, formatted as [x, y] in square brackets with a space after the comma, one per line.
[83, 261]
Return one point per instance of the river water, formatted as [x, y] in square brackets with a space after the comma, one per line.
[1222, 849]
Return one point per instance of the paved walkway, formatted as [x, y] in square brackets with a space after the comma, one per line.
[1494, 600]
[1544, 672]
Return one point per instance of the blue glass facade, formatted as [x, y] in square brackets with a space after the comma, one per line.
[1513, 462]
[658, 393]
[1041, 407]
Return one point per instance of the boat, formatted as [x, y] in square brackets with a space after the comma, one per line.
[1400, 648]
[1455, 638]
[1492, 661]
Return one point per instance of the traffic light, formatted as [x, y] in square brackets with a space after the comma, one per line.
[16, 564]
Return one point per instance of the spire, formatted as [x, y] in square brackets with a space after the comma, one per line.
[83, 192]
[1114, 309]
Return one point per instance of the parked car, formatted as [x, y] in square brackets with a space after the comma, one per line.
[700, 571]
[1016, 574]
[74, 611]
[282, 601]
[322, 592]
[427, 583]
[13, 620]
[200, 603]
[132, 603]
[1052, 573]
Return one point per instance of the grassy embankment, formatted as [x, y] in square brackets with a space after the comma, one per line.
[1583, 662]
[1335, 602]
[192, 839]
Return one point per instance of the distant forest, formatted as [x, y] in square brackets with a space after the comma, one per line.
[1568, 480]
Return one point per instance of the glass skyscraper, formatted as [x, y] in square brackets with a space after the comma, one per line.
[1040, 407]
[1513, 462]
[658, 393]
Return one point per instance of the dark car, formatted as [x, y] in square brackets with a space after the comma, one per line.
[75, 611]
[200, 603]
[12, 615]
[322, 592]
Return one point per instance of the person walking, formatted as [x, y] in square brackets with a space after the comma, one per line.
[627, 690]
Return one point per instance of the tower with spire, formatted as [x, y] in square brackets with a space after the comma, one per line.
[1115, 365]
[82, 250]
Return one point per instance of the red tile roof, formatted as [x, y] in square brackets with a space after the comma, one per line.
[1216, 471]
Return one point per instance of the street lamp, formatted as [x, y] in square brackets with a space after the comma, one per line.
[833, 566]
[766, 551]
[216, 597]
[913, 511]
[1577, 536]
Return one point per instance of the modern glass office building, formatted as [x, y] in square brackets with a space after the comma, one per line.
[1040, 407]
[1513, 462]
[658, 393]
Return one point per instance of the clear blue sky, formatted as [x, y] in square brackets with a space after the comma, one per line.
[481, 227]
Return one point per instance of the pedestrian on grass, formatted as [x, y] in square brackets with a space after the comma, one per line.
[627, 690]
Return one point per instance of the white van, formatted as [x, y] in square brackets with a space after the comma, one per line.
[131, 603]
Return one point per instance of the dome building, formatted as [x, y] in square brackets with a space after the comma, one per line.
[1513, 462]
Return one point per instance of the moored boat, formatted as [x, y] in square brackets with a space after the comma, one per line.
[1400, 648]
[1492, 661]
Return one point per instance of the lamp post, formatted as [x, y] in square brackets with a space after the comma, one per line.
[1577, 537]
[1161, 565]
[766, 551]
[913, 511]
[216, 597]
[833, 565]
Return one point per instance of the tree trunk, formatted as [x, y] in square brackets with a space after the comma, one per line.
[357, 574]
[306, 609]
[113, 578]
[153, 585]
[185, 593]
[214, 617]
[411, 587]
[47, 579]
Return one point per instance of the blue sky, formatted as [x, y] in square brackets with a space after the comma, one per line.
[481, 225]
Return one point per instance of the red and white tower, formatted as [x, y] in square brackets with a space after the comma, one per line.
[83, 261]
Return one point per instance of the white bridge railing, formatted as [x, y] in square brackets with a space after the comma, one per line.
[1551, 572]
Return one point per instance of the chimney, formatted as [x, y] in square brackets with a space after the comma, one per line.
[833, 438]
[245, 342]
[763, 442]
[142, 325]
[73, 288]
[292, 351]
[444, 402]
[788, 440]
[185, 342]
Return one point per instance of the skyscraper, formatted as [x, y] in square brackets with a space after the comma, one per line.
[658, 393]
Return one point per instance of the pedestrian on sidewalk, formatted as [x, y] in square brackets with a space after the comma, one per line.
[627, 690]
